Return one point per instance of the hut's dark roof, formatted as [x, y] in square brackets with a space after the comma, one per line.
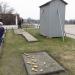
[52, 1]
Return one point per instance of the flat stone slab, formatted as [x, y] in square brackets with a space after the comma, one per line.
[40, 63]
[18, 31]
[27, 35]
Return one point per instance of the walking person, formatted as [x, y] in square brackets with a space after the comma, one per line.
[1, 32]
[19, 24]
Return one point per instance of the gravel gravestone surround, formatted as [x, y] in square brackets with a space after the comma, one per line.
[40, 63]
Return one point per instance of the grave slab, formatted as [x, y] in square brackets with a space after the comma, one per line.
[40, 63]
[29, 37]
[18, 31]
[26, 35]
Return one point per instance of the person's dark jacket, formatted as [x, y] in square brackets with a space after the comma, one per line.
[1, 32]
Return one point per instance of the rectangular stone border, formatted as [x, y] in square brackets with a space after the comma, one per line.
[63, 71]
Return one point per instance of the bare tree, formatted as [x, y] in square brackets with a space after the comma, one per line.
[4, 8]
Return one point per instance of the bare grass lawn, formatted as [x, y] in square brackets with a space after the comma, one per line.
[11, 62]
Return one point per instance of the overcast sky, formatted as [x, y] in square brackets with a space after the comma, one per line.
[30, 8]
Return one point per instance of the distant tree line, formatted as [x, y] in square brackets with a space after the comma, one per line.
[5, 8]
[69, 21]
[31, 21]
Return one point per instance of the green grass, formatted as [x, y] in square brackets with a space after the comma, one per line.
[11, 62]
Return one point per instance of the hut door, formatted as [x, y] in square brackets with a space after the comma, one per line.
[60, 21]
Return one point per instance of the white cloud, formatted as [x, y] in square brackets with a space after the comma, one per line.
[30, 8]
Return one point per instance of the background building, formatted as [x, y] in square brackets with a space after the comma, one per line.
[9, 19]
